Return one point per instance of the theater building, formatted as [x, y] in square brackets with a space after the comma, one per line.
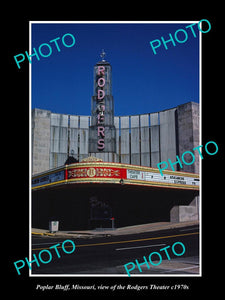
[87, 170]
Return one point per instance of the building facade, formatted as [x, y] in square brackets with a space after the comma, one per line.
[79, 193]
[145, 139]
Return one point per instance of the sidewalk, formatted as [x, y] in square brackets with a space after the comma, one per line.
[114, 232]
[186, 265]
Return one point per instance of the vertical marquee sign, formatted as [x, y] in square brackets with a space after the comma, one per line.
[102, 133]
[101, 108]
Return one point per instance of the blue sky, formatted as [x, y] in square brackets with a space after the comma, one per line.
[142, 82]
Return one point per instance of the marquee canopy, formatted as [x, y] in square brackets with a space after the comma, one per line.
[93, 170]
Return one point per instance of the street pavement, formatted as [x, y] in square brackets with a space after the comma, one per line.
[106, 255]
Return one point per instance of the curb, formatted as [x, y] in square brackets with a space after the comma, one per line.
[120, 231]
[51, 234]
[43, 233]
[37, 233]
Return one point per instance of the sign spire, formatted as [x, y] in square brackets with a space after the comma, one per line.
[103, 54]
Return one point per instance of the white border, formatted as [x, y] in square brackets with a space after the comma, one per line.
[200, 140]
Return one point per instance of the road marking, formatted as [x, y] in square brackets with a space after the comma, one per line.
[140, 247]
[129, 241]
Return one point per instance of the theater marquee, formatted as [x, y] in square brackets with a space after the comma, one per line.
[114, 173]
[156, 177]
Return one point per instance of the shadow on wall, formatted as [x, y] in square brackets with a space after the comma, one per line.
[128, 205]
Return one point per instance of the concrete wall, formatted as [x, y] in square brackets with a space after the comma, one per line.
[68, 133]
[182, 213]
[58, 140]
[145, 140]
[40, 140]
[155, 139]
[124, 140]
[168, 136]
[73, 135]
[188, 133]
[135, 140]
[83, 132]
[140, 139]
